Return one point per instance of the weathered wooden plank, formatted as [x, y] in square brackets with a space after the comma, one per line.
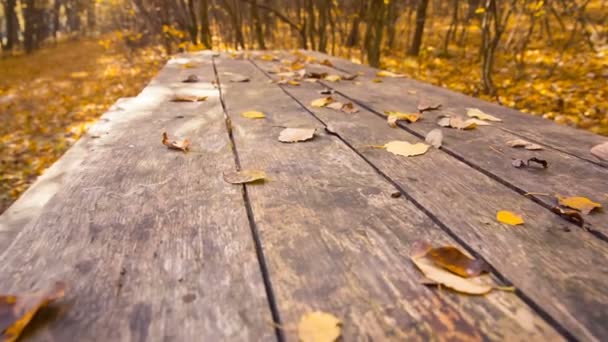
[527, 126]
[335, 240]
[153, 243]
[560, 271]
[485, 148]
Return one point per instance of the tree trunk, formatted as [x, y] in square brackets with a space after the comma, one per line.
[12, 35]
[353, 36]
[257, 25]
[205, 24]
[323, 6]
[193, 24]
[414, 49]
[373, 34]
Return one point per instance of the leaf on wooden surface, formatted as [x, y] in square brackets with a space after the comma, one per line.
[600, 151]
[404, 148]
[385, 73]
[335, 105]
[479, 122]
[319, 326]
[518, 163]
[510, 218]
[350, 77]
[315, 75]
[326, 62]
[349, 108]
[332, 78]
[253, 114]
[570, 215]
[525, 144]
[297, 65]
[434, 138]
[426, 106]
[290, 135]
[377, 80]
[322, 102]
[440, 276]
[293, 82]
[393, 117]
[538, 161]
[191, 79]
[244, 176]
[189, 65]
[16, 311]
[326, 91]
[582, 204]
[267, 58]
[188, 98]
[455, 261]
[457, 122]
[237, 78]
[180, 145]
[479, 114]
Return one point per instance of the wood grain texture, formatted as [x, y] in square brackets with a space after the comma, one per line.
[557, 265]
[486, 147]
[560, 137]
[153, 244]
[335, 240]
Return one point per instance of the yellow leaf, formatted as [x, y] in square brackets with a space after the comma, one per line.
[267, 58]
[525, 144]
[244, 176]
[319, 326]
[509, 218]
[377, 80]
[333, 78]
[252, 114]
[393, 117]
[582, 204]
[322, 102]
[477, 113]
[480, 10]
[293, 82]
[187, 98]
[17, 311]
[404, 148]
[289, 135]
[384, 73]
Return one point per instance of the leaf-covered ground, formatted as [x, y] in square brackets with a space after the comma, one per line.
[48, 99]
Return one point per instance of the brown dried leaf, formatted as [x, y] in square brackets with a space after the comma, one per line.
[425, 106]
[191, 79]
[525, 144]
[326, 62]
[570, 215]
[182, 145]
[455, 261]
[16, 311]
[393, 117]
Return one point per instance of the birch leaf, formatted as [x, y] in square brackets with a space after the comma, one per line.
[525, 144]
[333, 78]
[394, 116]
[252, 114]
[434, 138]
[244, 176]
[404, 148]
[384, 73]
[582, 204]
[188, 98]
[477, 113]
[600, 151]
[507, 217]
[322, 102]
[319, 326]
[290, 135]
[16, 311]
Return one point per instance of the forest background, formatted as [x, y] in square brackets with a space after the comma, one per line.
[64, 62]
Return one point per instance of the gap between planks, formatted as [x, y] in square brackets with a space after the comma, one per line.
[525, 298]
[276, 318]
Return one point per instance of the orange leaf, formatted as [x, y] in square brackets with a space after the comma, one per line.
[175, 144]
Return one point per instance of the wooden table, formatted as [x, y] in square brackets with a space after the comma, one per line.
[156, 246]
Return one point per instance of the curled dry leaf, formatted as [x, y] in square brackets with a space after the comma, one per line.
[239, 78]
[180, 145]
[253, 114]
[510, 218]
[538, 161]
[319, 326]
[582, 204]
[335, 105]
[191, 79]
[344, 107]
[188, 98]
[350, 77]
[518, 163]
[458, 123]
[322, 102]
[244, 176]
[267, 58]
[16, 311]
[477, 113]
[570, 215]
[451, 259]
[600, 151]
[326, 91]
[393, 117]
[332, 78]
[440, 276]
[425, 106]
[290, 135]
[384, 73]
[434, 138]
[525, 144]
[404, 148]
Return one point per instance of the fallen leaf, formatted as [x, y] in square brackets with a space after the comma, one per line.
[404, 148]
[458, 123]
[335, 105]
[444, 122]
[509, 218]
[332, 78]
[191, 79]
[297, 65]
[570, 215]
[525, 144]
[290, 135]
[600, 151]
[477, 113]
[326, 91]
[541, 162]
[316, 75]
[377, 80]
[434, 138]
[252, 114]
[455, 261]
[396, 194]
[322, 102]
[293, 82]
[188, 98]
[582, 204]
[518, 163]
[479, 122]
[239, 78]
[393, 117]
[182, 145]
[319, 326]
[349, 108]
[424, 106]
[189, 65]
[446, 278]
[244, 176]
[350, 77]
[267, 58]
[326, 62]
[384, 73]
[16, 311]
